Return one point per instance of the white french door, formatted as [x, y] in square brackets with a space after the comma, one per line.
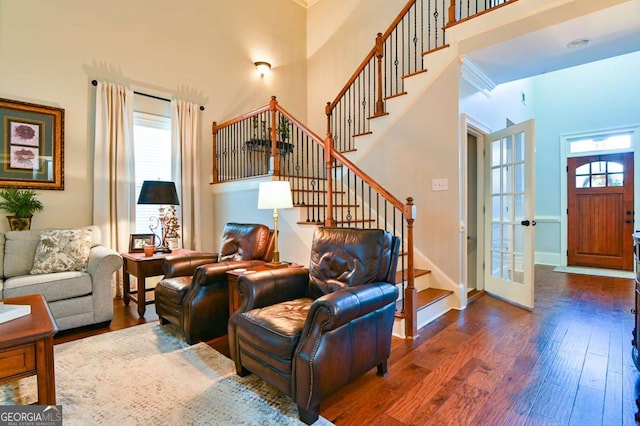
[509, 218]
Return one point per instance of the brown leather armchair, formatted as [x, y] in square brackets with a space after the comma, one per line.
[193, 293]
[309, 332]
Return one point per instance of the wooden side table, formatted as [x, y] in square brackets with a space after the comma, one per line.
[232, 281]
[142, 267]
[26, 347]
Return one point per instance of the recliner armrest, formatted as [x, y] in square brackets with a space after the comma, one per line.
[266, 288]
[180, 265]
[215, 273]
[350, 303]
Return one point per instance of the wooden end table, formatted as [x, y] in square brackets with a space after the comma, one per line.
[143, 267]
[26, 347]
[232, 281]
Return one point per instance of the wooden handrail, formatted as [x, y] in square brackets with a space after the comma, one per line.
[379, 39]
[398, 19]
[355, 75]
[301, 126]
[368, 180]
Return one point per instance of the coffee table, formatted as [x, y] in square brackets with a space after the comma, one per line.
[26, 347]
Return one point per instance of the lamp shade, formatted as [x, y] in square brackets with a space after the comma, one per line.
[158, 192]
[274, 195]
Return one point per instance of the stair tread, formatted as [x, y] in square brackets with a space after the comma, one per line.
[425, 298]
[416, 273]
[431, 295]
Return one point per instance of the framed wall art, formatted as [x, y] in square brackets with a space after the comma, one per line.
[32, 145]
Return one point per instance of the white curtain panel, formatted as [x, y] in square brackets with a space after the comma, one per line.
[113, 175]
[184, 126]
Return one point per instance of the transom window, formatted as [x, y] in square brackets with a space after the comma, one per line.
[600, 174]
[601, 143]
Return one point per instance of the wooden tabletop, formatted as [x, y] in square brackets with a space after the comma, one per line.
[37, 325]
[141, 257]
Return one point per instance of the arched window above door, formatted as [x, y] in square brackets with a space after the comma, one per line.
[600, 174]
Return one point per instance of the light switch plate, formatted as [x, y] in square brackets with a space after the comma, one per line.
[441, 184]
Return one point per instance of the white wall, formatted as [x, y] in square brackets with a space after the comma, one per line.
[340, 33]
[201, 50]
[596, 96]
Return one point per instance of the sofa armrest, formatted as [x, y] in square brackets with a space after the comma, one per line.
[179, 265]
[103, 262]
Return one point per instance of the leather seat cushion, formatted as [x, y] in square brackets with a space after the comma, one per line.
[172, 290]
[275, 329]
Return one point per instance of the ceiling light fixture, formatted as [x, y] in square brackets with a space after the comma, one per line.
[262, 67]
[580, 42]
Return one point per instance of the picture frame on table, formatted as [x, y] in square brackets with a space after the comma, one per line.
[138, 241]
[32, 145]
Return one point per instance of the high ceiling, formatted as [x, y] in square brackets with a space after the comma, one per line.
[613, 31]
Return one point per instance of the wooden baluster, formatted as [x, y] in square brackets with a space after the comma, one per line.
[379, 56]
[328, 149]
[275, 161]
[410, 293]
[452, 13]
[214, 131]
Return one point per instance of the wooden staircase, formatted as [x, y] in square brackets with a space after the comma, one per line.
[328, 187]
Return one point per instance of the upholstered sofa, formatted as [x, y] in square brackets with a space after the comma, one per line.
[67, 266]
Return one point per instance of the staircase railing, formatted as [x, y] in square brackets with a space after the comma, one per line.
[419, 28]
[328, 188]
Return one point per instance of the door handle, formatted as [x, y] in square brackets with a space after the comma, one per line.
[526, 222]
[629, 221]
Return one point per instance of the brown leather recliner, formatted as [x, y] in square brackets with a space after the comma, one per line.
[194, 294]
[309, 332]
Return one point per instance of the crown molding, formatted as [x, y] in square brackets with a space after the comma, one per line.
[473, 74]
[306, 3]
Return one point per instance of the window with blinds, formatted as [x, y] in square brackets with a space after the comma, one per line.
[152, 150]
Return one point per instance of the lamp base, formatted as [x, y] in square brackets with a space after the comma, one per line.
[162, 249]
[276, 264]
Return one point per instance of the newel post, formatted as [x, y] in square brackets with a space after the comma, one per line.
[328, 148]
[275, 161]
[379, 55]
[410, 293]
[214, 171]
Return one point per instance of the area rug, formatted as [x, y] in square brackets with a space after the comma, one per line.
[595, 271]
[146, 375]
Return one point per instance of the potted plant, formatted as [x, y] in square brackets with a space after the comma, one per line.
[283, 128]
[21, 204]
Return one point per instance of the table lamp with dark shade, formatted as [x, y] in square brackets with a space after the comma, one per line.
[161, 193]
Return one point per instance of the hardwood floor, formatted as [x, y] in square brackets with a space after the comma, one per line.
[566, 363]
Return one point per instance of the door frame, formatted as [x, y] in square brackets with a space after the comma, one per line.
[477, 129]
[565, 138]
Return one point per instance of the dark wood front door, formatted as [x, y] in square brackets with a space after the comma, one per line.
[600, 211]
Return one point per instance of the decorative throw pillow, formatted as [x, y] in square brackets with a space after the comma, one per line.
[62, 250]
